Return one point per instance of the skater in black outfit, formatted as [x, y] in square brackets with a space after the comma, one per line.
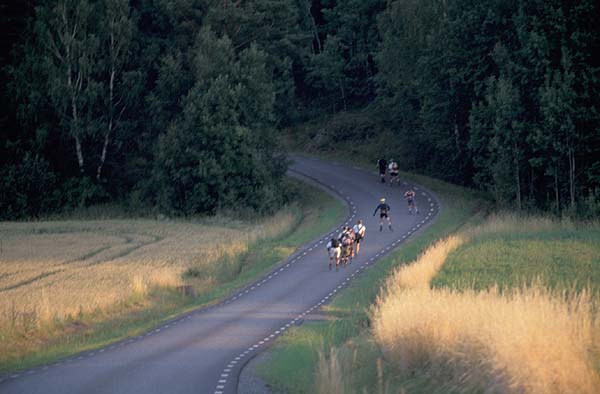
[384, 210]
[382, 164]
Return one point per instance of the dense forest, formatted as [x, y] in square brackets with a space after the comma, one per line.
[178, 105]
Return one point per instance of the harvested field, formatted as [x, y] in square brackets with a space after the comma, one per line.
[53, 270]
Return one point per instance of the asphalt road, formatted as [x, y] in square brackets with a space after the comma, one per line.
[204, 351]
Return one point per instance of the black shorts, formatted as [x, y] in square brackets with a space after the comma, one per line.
[383, 215]
[358, 239]
[393, 174]
[410, 201]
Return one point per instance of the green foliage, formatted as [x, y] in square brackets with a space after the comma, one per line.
[80, 192]
[496, 129]
[326, 73]
[24, 189]
[341, 72]
[153, 99]
[221, 153]
[498, 90]
[497, 94]
[275, 27]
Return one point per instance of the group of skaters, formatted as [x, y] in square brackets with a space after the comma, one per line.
[393, 169]
[347, 245]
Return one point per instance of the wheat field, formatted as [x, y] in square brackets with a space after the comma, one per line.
[54, 270]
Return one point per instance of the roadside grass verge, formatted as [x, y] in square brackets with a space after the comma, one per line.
[296, 356]
[151, 259]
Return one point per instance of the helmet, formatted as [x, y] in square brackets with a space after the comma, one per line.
[382, 199]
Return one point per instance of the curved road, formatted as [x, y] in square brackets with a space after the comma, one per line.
[204, 351]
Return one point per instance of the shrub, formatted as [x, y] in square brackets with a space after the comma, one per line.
[26, 188]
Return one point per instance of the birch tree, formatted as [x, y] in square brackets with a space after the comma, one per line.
[116, 42]
[71, 54]
[559, 120]
[497, 138]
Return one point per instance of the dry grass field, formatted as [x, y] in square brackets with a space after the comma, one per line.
[521, 339]
[58, 270]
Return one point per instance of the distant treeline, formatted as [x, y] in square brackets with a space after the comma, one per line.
[175, 104]
[501, 94]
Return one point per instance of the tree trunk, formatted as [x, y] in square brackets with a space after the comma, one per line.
[75, 121]
[109, 130]
[314, 25]
[531, 184]
[556, 193]
[104, 151]
[517, 178]
[74, 86]
[79, 154]
[457, 135]
[343, 94]
[572, 177]
[75, 132]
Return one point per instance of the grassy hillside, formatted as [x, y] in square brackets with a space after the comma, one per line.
[509, 251]
[69, 285]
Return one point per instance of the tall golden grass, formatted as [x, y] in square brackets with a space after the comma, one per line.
[528, 340]
[57, 270]
[330, 378]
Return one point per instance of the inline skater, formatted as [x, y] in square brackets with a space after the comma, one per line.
[384, 210]
[360, 231]
[334, 250]
[394, 169]
[345, 239]
[410, 196]
[382, 164]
